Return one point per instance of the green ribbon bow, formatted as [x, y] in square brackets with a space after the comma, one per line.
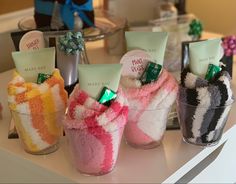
[195, 28]
[71, 42]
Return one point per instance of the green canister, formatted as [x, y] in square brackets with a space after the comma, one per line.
[212, 71]
[42, 77]
[151, 73]
[106, 96]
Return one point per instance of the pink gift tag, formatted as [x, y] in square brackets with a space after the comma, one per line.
[134, 63]
[32, 40]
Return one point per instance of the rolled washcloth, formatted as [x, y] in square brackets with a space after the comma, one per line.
[149, 106]
[37, 108]
[95, 130]
[203, 120]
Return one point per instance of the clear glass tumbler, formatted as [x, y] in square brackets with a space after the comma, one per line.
[39, 133]
[94, 150]
[202, 125]
[146, 127]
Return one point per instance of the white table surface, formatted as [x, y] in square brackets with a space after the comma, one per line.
[133, 165]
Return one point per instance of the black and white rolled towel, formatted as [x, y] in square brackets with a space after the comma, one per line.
[204, 106]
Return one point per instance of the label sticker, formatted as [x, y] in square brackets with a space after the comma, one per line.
[32, 40]
[134, 63]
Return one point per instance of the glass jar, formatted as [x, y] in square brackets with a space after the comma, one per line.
[202, 125]
[146, 127]
[93, 150]
[39, 133]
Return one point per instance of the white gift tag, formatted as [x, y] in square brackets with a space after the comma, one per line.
[134, 63]
[32, 40]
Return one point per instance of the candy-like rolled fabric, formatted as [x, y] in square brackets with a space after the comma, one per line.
[149, 107]
[203, 106]
[36, 110]
[94, 131]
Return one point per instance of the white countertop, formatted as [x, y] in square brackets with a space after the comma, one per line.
[133, 165]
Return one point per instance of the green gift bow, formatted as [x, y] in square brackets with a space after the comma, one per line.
[195, 28]
[71, 42]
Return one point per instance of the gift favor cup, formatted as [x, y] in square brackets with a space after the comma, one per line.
[70, 52]
[39, 133]
[201, 125]
[145, 127]
[94, 150]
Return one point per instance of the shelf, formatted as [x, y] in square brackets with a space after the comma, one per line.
[133, 165]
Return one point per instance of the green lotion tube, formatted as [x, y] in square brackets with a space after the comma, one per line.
[204, 53]
[30, 63]
[152, 42]
[94, 77]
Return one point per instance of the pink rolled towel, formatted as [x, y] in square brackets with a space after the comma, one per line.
[94, 131]
[149, 107]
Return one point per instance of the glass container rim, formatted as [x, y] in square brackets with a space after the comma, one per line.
[231, 102]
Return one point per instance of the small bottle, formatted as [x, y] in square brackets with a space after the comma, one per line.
[78, 23]
[181, 6]
[56, 20]
[168, 10]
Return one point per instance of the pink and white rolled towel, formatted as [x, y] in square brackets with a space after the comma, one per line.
[149, 106]
[94, 131]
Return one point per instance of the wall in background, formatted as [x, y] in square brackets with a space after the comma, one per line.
[218, 16]
[7, 6]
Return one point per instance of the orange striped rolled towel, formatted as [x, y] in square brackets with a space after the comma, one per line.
[37, 110]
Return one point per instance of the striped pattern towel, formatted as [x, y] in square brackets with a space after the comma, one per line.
[95, 130]
[204, 121]
[37, 109]
[149, 106]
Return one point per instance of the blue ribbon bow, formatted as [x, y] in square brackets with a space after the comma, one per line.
[67, 11]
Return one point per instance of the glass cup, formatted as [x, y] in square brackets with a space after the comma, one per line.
[94, 150]
[146, 127]
[201, 125]
[39, 133]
